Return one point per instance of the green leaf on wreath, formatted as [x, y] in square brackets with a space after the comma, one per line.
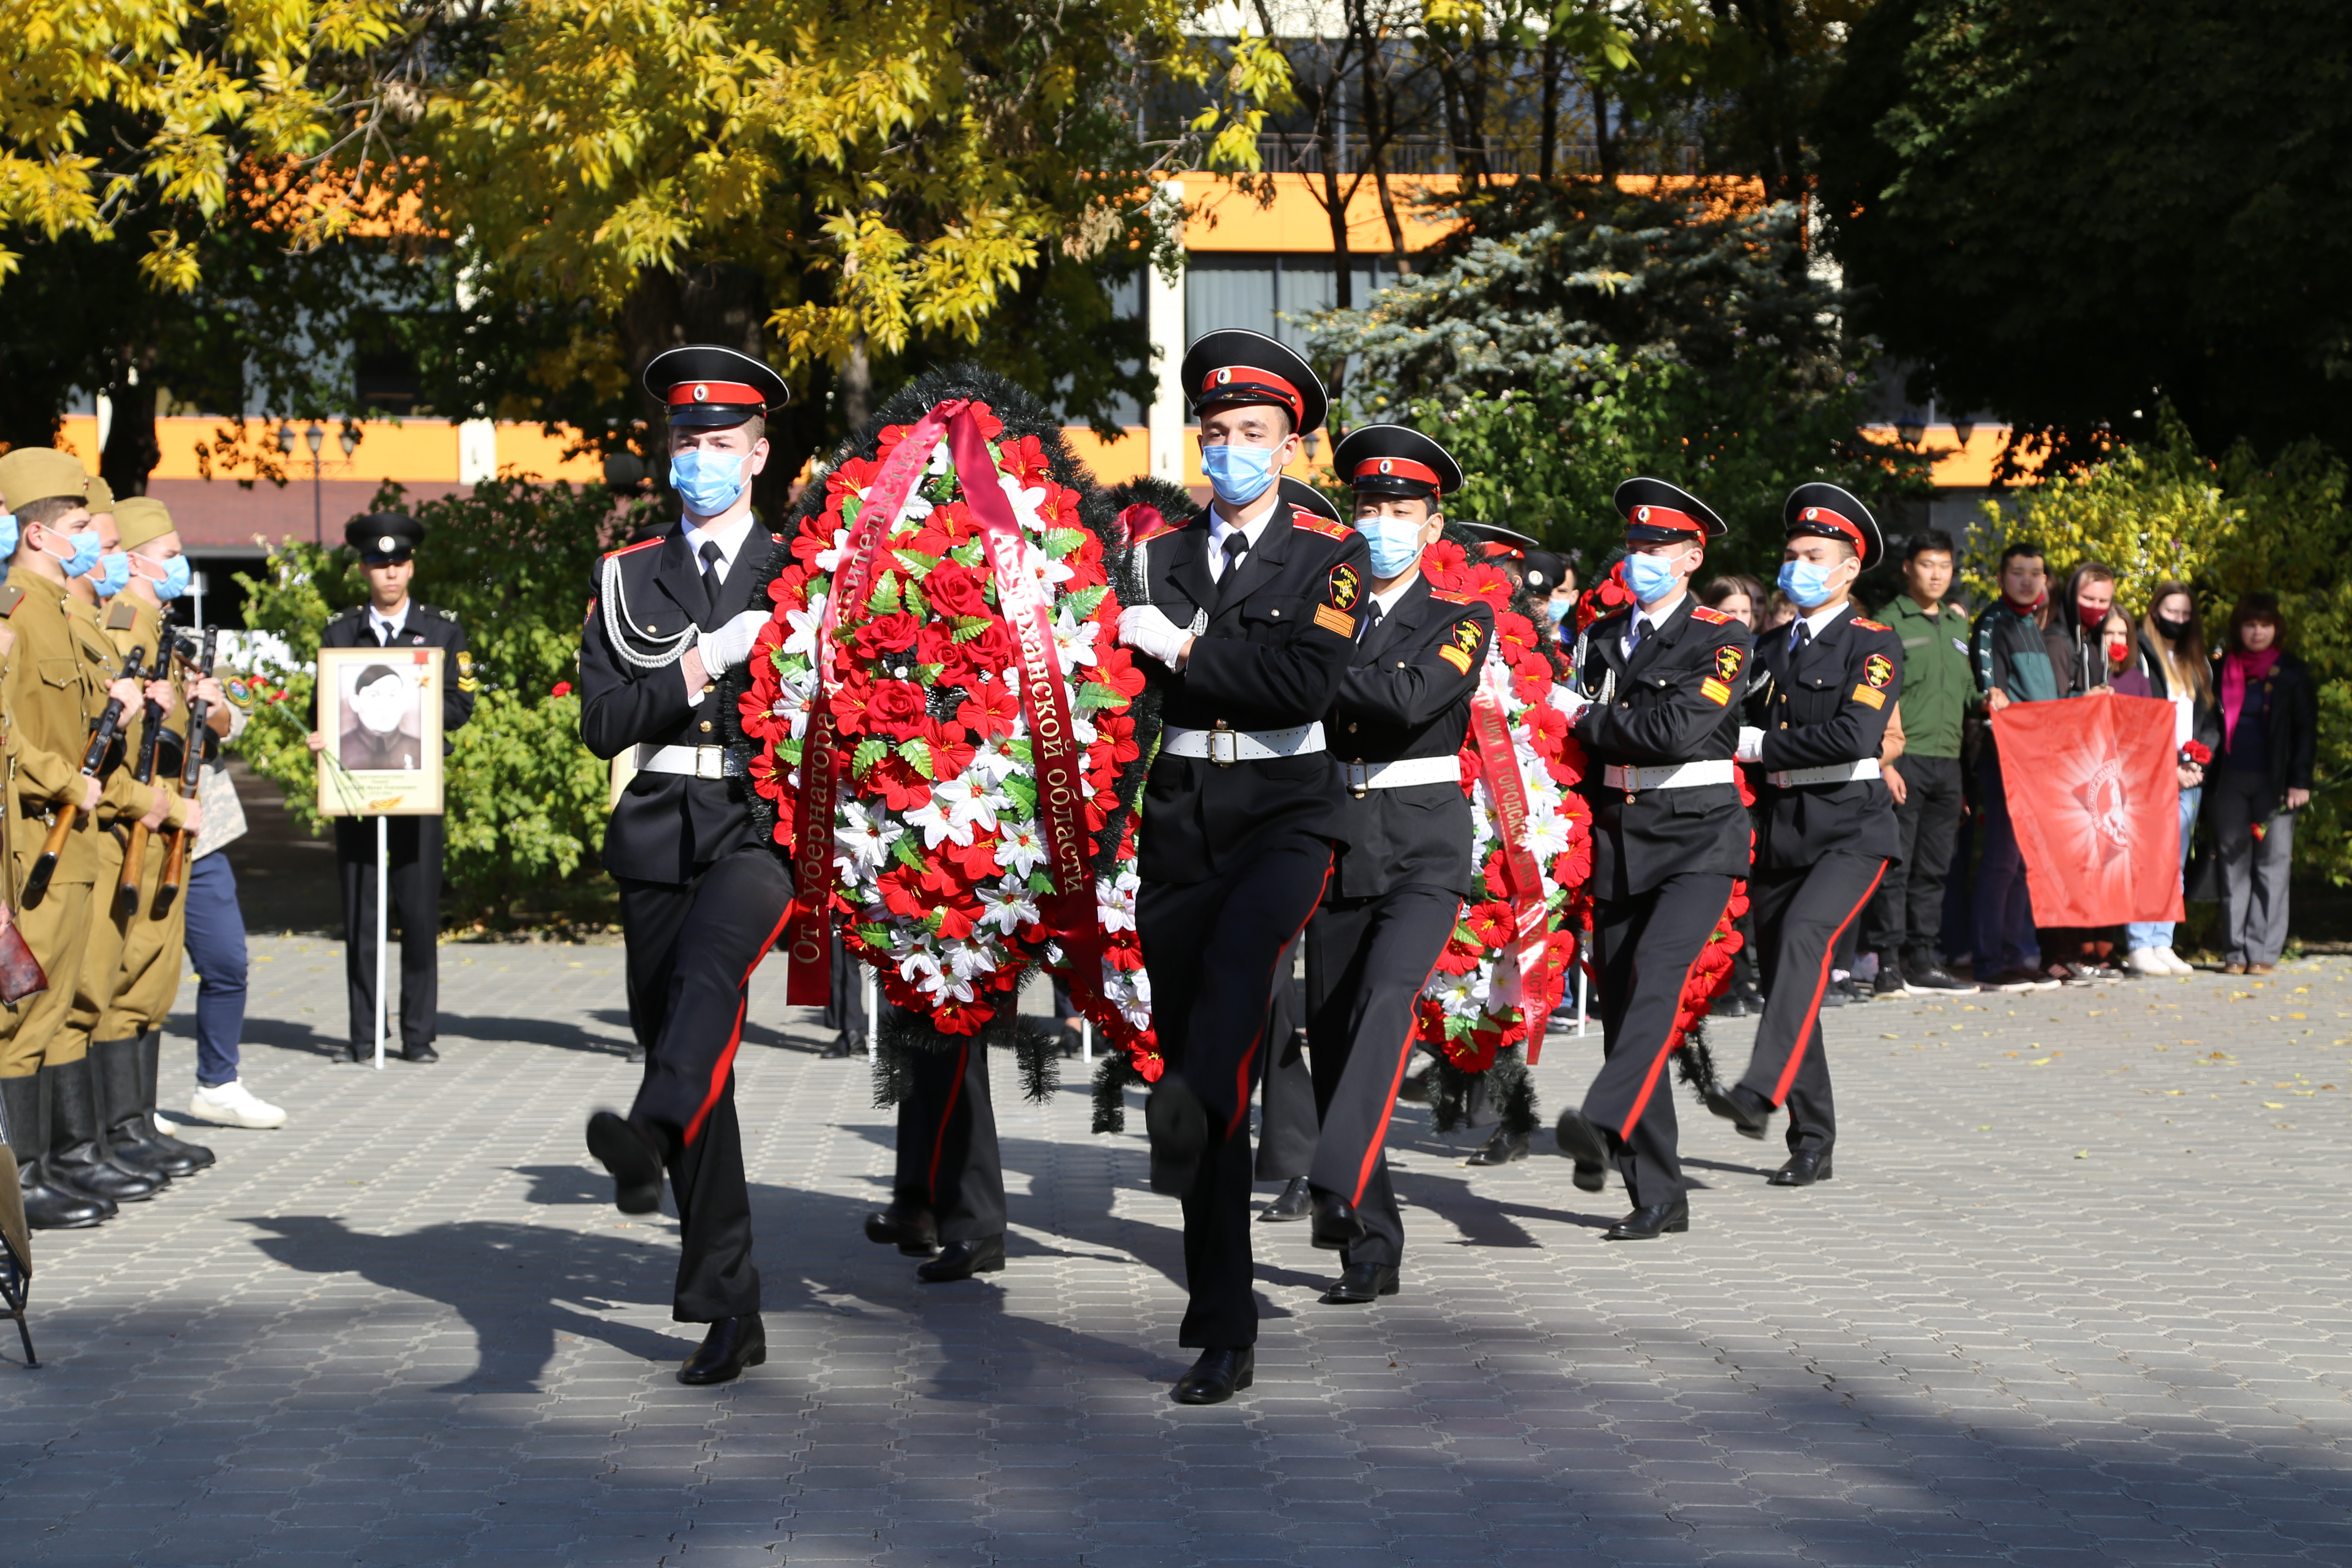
[870, 751]
[1091, 695]
[883, 600]
[874, 936]
[927, 674]
[1060, 541]
[916, 604]
[967, 553]
[907, 848]
[789, 751]
[1040, 883]
[918, 563]
[1023, 793]
[1021, 752]
[919, 756]
[1457, 1029]
[1085, 603]
[851, 505]
[970, 626]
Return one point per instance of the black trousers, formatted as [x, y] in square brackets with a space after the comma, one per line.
[1908, 915]
[1800, 912]
[414, 845]
[1286, 1097]
[949, 1162]
[1645, 947]
[692, 947]
[1367, 959]
[1213, 949]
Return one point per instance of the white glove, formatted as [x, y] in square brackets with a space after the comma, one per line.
[1572, 703]
[730, 645]
[1751, 746]
[1143, 628]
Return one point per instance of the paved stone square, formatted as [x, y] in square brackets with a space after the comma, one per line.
[2078, 1295]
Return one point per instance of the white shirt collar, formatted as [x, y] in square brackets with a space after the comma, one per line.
[730, 538]
[1819, 621]
[387, 627]
[1388, 601]
[1219, 530]
[1656, 617]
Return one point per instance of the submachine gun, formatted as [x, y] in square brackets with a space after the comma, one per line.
[102, 737]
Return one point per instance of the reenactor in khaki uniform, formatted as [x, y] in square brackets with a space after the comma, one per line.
[60, 676]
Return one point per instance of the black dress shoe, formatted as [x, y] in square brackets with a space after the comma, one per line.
[1923, 976]
[1414, 1090]
[1580, 1140]
[1217, 1376]
[1741, 1106]
[419, 1052]
[963, 1259]
[1502, 1149]
[1360, 1282]
[1649, 1224]
[732, 1344]
[1337, 1225]
[913, 1231]
[1804, 1167]
[1731, 1004]
[1292, 1203]
[1889, 982]
[635, 1164]
[1835, 994]
[839, 1049]
[1179, 1130]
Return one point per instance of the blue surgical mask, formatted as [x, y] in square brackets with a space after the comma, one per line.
[1396, 544]
[1649, 577]
[8, 533]
[114, 573]
[1238, 474]
[1557, 609]
[174, 581]
[1807, 584]
[708, 482]
[85, 555]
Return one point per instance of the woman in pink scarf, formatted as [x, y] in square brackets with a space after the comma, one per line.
[2269, 722]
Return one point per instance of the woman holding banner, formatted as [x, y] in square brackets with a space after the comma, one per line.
[2270, 721]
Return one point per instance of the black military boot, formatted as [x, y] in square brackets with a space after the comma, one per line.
[25, 1122]
[122, 1112]
[78, 1158]
[151, 1069]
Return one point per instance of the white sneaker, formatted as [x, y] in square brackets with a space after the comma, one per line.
[2179, 964]
[232, 1104]
[2148, 961]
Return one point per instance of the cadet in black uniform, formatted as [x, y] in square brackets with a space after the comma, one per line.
[702, 897]
[1669, 837]
[1828, 820]
[1404, 866]
[947, 1197]
[1253, 606]
[387, 542]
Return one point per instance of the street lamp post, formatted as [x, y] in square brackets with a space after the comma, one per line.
[314, 439]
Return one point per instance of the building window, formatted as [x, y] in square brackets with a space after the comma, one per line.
[1274, 294]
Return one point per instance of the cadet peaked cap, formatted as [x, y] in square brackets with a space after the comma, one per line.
[1395, 460]
[705, 387]
[1546, 570]
[385, 537]
[1306, 498]
[1829, 512]
[142, 519]
[29, 474]
[1240, 366]
[1656, 512]
[1500, 541]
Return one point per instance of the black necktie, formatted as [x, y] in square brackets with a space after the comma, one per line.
[1635, 633]
[1236, 546]
[1798, 639]
[1372, 623]
[711, 555]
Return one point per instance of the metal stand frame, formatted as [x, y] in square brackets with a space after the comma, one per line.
[382, 900]
[16, 1290]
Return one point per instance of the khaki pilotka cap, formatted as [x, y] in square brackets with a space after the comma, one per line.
[141, 519]
[101, 496]
[29, 474]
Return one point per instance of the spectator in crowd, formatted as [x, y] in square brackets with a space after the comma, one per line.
[1739, 595]
[216, 946]
[1778, 612]
[2012, 661]
[2077, 651]
[2170, 663]
[2269, 722]
[1906, 916]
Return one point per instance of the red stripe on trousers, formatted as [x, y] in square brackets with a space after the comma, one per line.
[1820, 986]
[726, 1063]
[1241, 1078]
[1658, 1062]
[940, 1141]
[1404, 1057]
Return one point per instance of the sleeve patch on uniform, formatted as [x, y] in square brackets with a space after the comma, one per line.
[1714, 691]
[1727, 661]
[1454, 657]
[1332, 620]
[1866, 694]
[1465, 639]
[1346, 586]
[1878, 669]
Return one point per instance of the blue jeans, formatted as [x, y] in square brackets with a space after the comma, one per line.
[216, 947]
[2158, 933]
[2005, 938]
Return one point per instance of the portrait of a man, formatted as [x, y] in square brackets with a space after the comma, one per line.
[383, 724]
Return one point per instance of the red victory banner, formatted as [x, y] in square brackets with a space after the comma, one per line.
[2096, 802]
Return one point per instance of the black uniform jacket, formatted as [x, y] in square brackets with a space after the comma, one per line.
[1827, 704]
[1672, 702]
[665, 826]
[1282, 627]
[428, 626]
[1407, 694]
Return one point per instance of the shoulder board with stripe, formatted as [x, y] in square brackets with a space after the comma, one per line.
[11, 596]
[120, 617]
[1166, 525]
[632, 549]
[1448, 596]
[1871, 626]
[1314, 523]
[1712, 617]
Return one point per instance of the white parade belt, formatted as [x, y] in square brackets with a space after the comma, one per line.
[1667, 775]
[1362, 776]
[1226, 747]
[1830, 773]
[694, 761]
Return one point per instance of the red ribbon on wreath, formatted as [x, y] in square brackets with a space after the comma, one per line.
[1499, 761]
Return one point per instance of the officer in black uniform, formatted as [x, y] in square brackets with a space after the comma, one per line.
[1404, 866]
[1252, 606]
[1828, 819]
[1669, 836]
[387, 542]
[702, 897]
[946, 1196]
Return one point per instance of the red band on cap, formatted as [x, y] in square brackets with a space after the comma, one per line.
[1248, 384]
[1397, 468]
[686, 393]
[1823, 517]
[1667, 518]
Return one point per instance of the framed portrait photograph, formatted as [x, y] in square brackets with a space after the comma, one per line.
[380, 713]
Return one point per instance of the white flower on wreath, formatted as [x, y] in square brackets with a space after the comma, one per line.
[1547, 836]
[1076, 640]
[1047, 570]
[1115, 901]
[969, 802]
[969, 961]
[1007, 905]
[1461, 993]
[1026, 501]
[993, 762]
[1020, 847]
[804, 626]
[938, 818]
[828, 561]
[864, 836]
